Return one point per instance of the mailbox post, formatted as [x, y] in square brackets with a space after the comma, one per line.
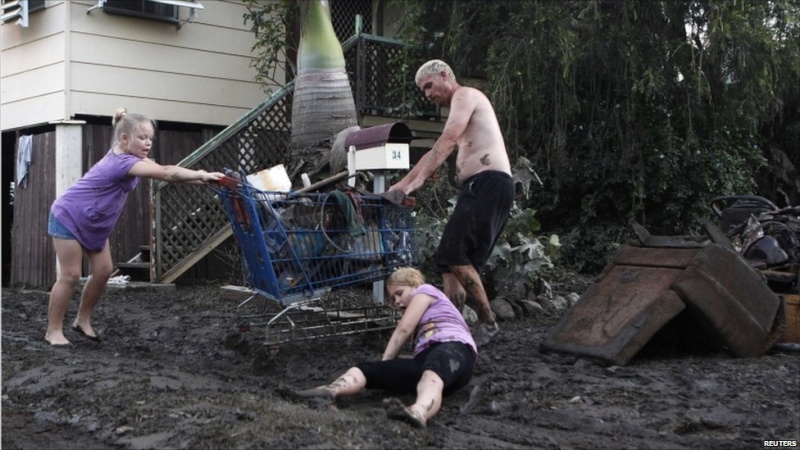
[378, 149]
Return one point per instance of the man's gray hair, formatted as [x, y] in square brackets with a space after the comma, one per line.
[432, 67]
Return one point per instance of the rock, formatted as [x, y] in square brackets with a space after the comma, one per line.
[502, 309]
[559, 304]
[469, 315]
[532, 309]
[519, 311]
[542, 287]
[544, 300]
[573, 298]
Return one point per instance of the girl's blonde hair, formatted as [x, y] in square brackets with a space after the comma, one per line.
[125, 123]
[406, 276]
[434, 67]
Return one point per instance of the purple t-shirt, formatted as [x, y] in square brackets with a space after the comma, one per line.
[90, 208]
[441, 322]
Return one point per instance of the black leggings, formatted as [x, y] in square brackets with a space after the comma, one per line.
[452, 361]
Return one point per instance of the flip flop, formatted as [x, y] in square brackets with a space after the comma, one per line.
[83, 333]
[396, 410]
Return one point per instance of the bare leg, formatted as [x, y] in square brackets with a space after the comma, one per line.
[427, 404]
[350, 383]
[471, 281]
[69, 253]
[100, 268]
[454, 291]
[429, 395]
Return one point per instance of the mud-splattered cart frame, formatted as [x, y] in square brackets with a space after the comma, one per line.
[297, 247]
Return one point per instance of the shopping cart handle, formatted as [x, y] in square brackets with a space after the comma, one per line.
[229, 182]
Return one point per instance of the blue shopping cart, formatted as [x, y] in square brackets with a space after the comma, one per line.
[297, 247]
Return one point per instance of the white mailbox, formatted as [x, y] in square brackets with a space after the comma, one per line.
[379, 148]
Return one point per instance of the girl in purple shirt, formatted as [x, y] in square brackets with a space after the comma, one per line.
[444, 354]
[82, 218]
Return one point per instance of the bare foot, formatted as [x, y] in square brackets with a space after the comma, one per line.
[86, 330]
[396, 410]
[319, 396]
[56, 338]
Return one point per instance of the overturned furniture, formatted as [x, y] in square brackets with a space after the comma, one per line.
[693, 286]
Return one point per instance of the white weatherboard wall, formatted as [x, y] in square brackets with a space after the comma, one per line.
[33, 68]
[69, 63]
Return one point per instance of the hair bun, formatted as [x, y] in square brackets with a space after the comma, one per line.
[121, 112]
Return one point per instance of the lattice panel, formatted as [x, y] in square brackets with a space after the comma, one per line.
[187, 217]
[343, 17]
[382, 90]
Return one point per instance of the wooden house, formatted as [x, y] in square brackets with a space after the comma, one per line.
[68, 65]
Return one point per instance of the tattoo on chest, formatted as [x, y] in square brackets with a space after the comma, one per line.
[485, 160]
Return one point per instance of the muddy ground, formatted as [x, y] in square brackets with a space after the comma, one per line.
[169, 373]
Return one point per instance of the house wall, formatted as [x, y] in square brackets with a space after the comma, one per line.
[69, 63]
[32, 69]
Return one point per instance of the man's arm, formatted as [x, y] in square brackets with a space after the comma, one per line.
[412, 174]
[461, 108]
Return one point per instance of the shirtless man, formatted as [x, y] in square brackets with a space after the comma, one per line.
[487, 190]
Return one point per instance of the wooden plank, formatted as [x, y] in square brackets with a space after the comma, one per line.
[617, 316]
[655, 257]
[32, 255]
[723, 291]
[792, 304]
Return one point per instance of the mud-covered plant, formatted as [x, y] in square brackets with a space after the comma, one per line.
[520, 255]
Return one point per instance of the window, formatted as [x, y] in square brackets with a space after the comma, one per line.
[35, 5]
[146, 9]
[16, 11]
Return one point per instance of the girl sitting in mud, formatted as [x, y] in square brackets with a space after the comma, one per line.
[444, 354]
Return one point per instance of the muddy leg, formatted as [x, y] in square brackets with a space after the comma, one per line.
[469, 278]
[454, 291]
[101, 266]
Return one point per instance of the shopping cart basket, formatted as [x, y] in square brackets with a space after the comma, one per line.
[296, 247]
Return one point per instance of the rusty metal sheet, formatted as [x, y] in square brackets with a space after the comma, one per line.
[618, 315]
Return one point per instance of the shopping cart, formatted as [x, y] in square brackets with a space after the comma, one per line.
[297, 247]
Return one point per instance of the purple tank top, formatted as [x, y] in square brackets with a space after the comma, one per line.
[90, 208]
[441, 322]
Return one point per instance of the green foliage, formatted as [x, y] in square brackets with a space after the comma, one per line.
[270, 22]
[627, 109]
[520, 253]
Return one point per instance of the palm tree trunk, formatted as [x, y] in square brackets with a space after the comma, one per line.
[323, 102]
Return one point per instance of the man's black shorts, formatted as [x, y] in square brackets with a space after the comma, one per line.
[480, 215]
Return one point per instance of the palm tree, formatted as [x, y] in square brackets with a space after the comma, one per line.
[323, 101]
